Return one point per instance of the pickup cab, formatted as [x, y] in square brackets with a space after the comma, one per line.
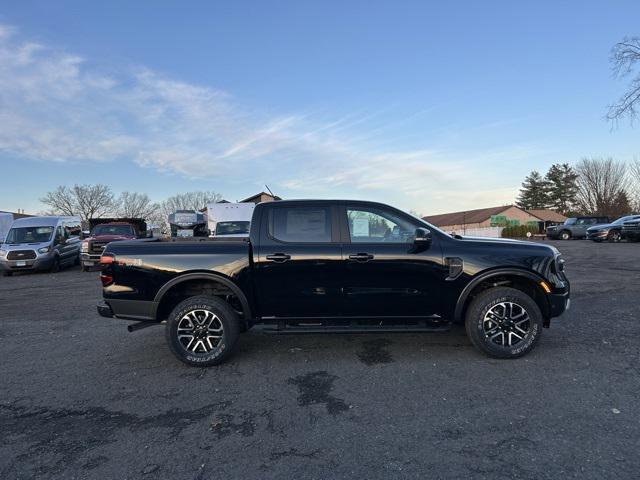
[335, 266]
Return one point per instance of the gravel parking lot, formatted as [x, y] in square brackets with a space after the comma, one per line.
[83, 398]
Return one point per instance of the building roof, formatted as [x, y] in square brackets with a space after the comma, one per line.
[464, 218]
[548, 215]
[252, 198]
[17, 215]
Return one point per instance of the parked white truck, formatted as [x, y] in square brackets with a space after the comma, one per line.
[229, 219]
[6, 219]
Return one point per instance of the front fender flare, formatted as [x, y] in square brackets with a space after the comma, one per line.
[475, 281]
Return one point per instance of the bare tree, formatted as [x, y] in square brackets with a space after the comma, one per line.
[61, 200]
[87, 201]
[93, 201]
[625, 57]
[135, 205]
[601, 184]
[634, 179]
[189, 201]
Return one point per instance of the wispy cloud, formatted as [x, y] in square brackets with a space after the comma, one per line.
[57, 106]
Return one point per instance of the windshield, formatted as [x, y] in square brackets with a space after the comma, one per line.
[232, 228]
[621, 220]
[570, 221]
[29, 235]
[113, 230]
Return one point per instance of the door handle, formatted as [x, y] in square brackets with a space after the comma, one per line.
[361, 257]
[278, 257]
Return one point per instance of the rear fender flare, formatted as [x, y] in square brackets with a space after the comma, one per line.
[464, 295]
[246, 309]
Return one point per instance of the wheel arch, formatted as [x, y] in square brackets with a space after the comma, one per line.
[521, 279]
[205, 277]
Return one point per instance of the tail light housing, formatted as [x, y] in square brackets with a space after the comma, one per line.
[106, 260]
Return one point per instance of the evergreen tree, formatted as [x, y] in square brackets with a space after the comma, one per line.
[533, 194]
[561, 187]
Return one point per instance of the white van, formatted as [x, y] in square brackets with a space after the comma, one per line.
[41, 243]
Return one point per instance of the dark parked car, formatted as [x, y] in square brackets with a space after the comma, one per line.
[575, 227]
[631, 230]
[611, 232]
[335, 266]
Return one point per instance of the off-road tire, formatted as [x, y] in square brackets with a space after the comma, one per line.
[565, 235]
[226, 317]
[479, 309]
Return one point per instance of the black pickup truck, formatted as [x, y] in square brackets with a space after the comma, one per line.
[335, 266]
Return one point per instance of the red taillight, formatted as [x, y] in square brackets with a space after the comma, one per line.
[106, 260]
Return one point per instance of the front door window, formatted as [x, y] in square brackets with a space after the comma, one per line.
[377, 226]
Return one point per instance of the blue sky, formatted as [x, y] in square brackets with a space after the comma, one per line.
[430, 106]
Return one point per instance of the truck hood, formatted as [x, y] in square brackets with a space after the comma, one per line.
[110, 238]
[600, 226]
[504, 242]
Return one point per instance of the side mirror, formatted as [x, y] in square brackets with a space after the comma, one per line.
[422, 238]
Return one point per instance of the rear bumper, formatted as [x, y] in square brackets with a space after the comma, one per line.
[104, 310]
[128, 309]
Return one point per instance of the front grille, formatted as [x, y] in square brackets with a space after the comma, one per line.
[98, 247]
[21, 255]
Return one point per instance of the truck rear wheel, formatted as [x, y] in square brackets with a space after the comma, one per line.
[504, 322]
[202, 331]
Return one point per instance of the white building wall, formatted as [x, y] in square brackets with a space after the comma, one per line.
[493, 232]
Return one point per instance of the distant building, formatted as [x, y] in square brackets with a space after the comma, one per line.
[257, 198]
[485, 218]
[17, 215]
[261, 197]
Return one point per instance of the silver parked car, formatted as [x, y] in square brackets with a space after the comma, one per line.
[41, 243]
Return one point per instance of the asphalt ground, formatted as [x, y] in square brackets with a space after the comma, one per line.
[80, 397]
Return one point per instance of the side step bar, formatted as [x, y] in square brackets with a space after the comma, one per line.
[289, 328]
[140, 325]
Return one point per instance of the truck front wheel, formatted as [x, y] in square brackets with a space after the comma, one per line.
[504, 322]
[202, 331]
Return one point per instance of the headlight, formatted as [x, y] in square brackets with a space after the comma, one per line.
[44, 249]
[85, 247]
[3, 253]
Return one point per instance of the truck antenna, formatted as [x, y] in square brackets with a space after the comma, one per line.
[267, 187]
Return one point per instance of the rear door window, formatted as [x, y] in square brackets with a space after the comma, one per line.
[300, 224]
